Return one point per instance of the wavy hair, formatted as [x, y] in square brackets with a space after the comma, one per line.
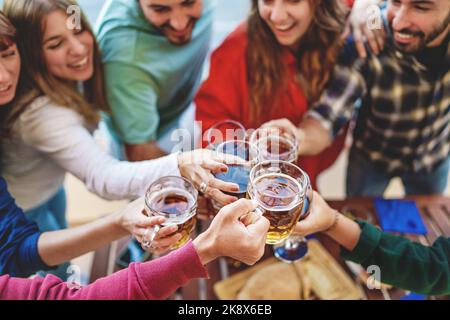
[28, 17]
[316, 56]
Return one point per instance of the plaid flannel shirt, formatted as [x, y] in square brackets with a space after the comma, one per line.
[403, 122]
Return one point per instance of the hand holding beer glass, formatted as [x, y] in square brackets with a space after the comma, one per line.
[175, 199]
[238, 173]
[283, 193]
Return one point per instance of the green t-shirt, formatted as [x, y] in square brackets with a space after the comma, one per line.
[149, 81]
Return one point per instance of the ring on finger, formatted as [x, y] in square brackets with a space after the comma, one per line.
[203, 187]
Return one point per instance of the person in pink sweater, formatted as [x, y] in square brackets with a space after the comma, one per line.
[158, 279]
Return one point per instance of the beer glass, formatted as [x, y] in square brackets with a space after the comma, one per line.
[237, 173]
[175, 199]
[282, 191]
[274, 144]
[225, 130]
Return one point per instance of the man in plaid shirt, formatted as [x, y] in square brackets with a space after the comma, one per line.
[403, 124]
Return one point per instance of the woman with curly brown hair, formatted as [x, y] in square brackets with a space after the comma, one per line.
[274, 66]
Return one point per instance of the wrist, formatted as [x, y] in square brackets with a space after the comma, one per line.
[204, 246]
[334, 221]
[117, 224]
[300, 134]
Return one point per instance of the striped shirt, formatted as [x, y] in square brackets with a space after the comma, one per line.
[403, 122]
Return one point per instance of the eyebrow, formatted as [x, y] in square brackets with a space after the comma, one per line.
[52, 38]
[428, 2]
[164, 5]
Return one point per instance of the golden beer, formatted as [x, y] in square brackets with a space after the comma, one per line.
[280, 196]
[177, 204]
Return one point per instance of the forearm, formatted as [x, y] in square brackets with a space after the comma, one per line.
[403, 263]
[146, 151]
[60, 246]
[314, 138]
[344, 231]
[156, 279]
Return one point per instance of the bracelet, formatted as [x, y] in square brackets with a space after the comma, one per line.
[335, 222]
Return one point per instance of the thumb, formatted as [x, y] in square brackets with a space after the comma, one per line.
[305, 228]
[147, 222]
[259, 227]
[229, 159]
[239, 208]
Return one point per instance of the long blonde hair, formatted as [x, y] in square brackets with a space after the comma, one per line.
[316, 56]
[28, 17]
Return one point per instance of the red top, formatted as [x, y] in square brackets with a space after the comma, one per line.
[224, 95]
[156, 279]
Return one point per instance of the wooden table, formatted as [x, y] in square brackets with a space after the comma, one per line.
[435, 211]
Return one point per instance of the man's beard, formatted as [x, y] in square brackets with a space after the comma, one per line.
[425, 40]
[176, 40]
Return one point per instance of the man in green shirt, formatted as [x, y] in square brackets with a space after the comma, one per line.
[403, 263]
[153, 55]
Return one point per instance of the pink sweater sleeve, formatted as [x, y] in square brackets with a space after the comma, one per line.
[156, 279]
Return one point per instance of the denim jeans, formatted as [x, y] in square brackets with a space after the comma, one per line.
[51, 216]
[364, 179]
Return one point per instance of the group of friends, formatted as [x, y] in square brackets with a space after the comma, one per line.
[313, 67]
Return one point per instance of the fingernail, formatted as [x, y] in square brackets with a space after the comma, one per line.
[224, 169]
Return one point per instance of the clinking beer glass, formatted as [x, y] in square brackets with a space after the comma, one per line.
[283, 192]
[175, 199]
[271, 143]
[237, 173]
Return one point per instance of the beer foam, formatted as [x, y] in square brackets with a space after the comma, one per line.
[264, 143]
[296, 200]
[172, 219]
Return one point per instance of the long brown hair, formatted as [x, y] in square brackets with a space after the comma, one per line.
[28, 17]
[7, 39]
[316, 56]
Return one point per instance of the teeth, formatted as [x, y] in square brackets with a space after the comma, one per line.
[4, 88]
[80, 64]
[284, 28]
[404, 35]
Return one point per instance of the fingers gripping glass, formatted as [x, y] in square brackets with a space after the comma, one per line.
[237, 173]
[175, 199]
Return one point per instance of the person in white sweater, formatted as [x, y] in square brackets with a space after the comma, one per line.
[50, 123]
[49, 249]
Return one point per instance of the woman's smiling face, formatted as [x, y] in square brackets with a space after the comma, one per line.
[68, 54]
[9, 73]
[289, 20]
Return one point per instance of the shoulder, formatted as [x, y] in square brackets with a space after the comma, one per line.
[118, 28]
[42, 117]
[42, 107]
